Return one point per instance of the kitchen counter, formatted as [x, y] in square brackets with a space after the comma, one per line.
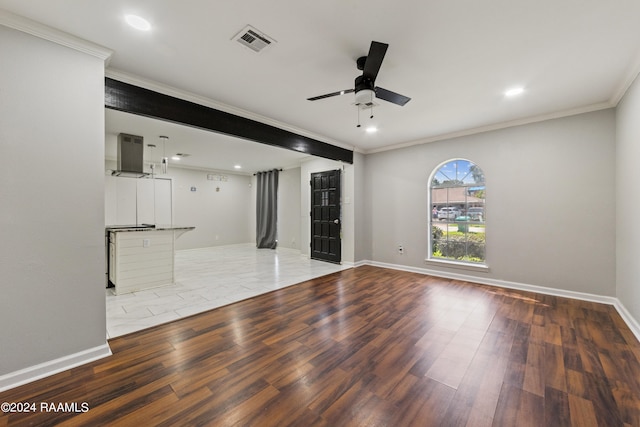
[141, 256]
[127, 228]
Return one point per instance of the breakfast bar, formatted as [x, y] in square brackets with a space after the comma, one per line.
[141, 256]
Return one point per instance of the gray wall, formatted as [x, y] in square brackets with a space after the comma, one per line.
[52, 209]
[550, 202]
[221, 217]
[628, 202]
[362, 235]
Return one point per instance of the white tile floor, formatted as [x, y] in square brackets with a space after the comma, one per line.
[208, 278]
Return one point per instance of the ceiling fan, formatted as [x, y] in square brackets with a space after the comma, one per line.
[365, 88]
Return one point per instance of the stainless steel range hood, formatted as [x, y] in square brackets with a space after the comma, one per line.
[130, 156]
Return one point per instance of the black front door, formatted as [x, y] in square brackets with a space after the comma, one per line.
[325, 216]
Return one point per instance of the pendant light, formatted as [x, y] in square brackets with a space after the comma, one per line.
[165, 159]
[152, 164]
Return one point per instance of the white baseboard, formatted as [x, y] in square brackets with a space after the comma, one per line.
[42, 370]
[632, 323]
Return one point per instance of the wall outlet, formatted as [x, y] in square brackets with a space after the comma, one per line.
[400, 249]
[146, 243]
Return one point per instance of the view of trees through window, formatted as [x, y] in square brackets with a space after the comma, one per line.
[458, 212]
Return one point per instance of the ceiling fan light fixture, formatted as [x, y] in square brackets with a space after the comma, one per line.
[364, 96]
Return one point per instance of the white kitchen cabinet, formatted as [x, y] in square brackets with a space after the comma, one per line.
[163, 201]
[130, 201]
[126, 203]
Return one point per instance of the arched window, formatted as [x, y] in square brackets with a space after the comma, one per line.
[457, 214]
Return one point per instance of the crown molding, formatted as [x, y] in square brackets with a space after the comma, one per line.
[498, 126]
[42, 31]
[627, 81]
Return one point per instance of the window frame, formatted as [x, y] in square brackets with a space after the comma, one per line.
[430, 259]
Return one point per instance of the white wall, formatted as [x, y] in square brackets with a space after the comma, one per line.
[222, 217]
[221, 210]
[627, 200]
[52, 209]
[550, 202]
[289, 208]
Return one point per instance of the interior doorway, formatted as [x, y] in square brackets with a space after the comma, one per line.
[326, 224]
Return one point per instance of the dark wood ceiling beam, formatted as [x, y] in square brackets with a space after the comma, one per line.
[137, 100]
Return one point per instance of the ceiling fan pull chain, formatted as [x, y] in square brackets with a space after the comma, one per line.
[358, 108]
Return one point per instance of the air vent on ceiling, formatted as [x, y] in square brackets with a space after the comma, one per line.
[253, 39]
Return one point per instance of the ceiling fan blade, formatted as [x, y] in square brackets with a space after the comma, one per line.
[374, 60]
[387, 95]
[329, 95]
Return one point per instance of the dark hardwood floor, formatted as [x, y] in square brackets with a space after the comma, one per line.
[362, 347]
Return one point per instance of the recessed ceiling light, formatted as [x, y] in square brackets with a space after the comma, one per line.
[514, 91]
[238, 167]
[176, 158]
[137, 22]
[371, 129]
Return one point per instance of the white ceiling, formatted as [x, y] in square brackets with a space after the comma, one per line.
[454, 59]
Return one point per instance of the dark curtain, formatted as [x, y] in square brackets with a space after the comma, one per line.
[267, 209]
